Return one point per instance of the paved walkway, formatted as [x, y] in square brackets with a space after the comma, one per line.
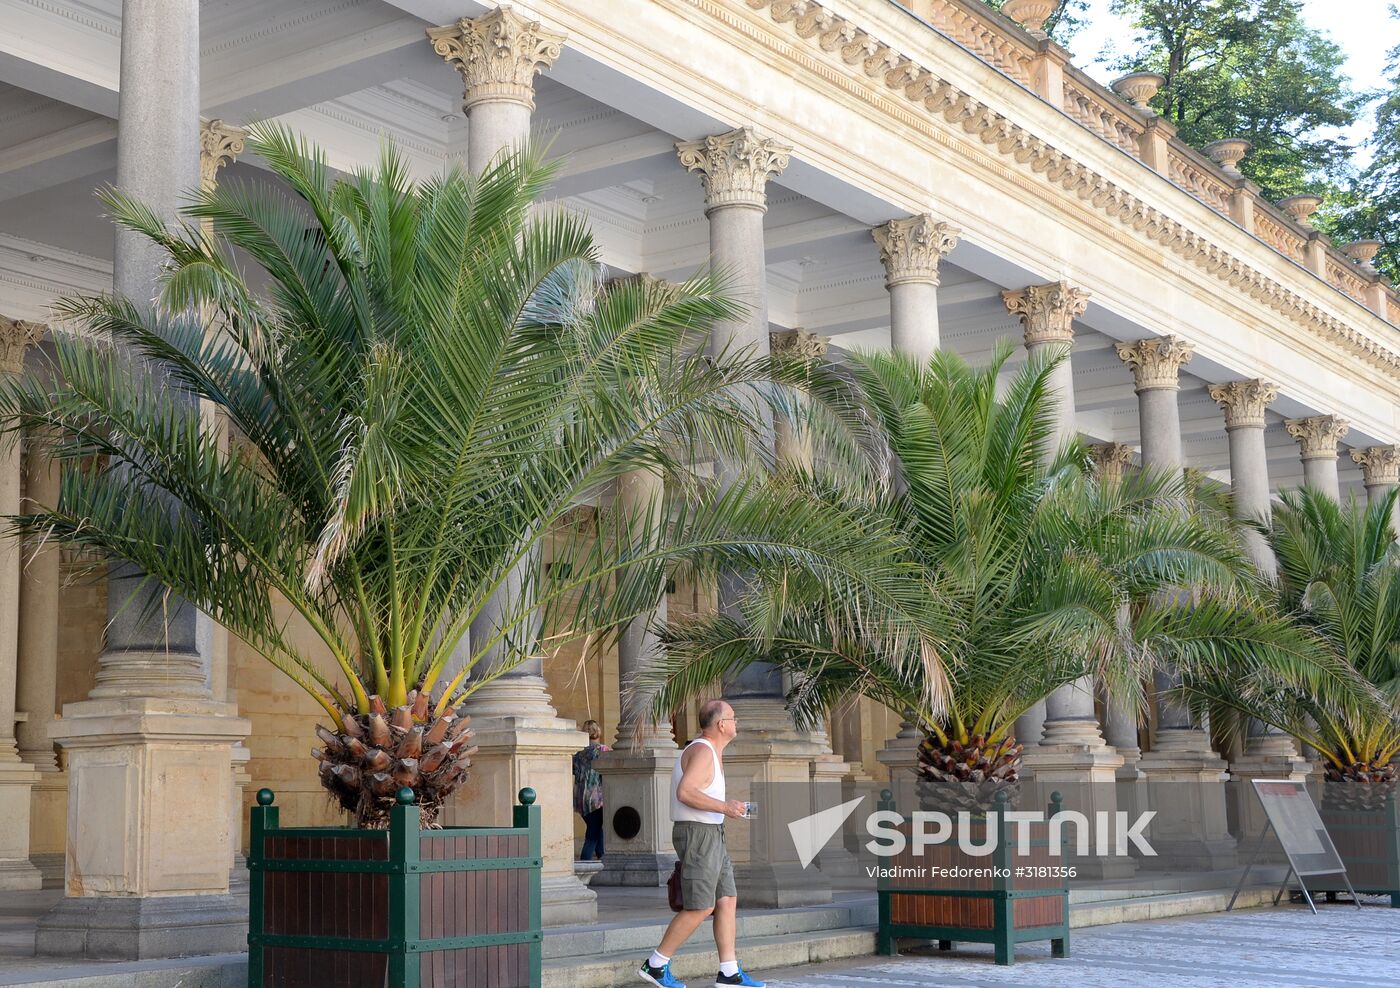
[1260, 948]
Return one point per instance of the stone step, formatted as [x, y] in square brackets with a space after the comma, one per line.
[766, 942]
[631, 935]
[700, 962]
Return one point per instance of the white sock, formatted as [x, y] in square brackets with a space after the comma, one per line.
[658, 960]
[729, 968]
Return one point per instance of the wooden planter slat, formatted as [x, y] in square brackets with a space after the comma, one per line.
[402, 908]
[1002, 911]
[1369, 845]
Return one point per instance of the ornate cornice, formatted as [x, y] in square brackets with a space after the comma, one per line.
[1156, 362]
[799, 344]
[734, 167]
[219, 145]
[1244, 401]
[1047, 312]
[840, 46]
[1318, 436]
[16, 337]
[1380, 465]
[911, 248]
[498, 55]
[1111, 460]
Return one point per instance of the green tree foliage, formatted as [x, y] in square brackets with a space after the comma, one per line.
[1251, 69]
[1369, 208]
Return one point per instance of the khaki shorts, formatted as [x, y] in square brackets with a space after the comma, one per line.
[707, 875]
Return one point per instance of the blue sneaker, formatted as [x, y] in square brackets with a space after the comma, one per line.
[741, 978]
[661, 977]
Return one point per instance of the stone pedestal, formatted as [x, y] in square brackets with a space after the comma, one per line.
[900, 756]
[637, 815]
[48, 813]
[1074, 760]
[1185, 786]
[17, 780]
[1267, 755]
[522, 742]
[148, 843]
[768, 751]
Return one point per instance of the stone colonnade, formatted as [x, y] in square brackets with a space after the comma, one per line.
[161, 707]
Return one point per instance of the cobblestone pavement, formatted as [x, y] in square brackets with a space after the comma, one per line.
[1286, 947]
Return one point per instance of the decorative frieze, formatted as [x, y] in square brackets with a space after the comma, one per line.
[911, 248]
[498, 55]
[735, 167]
[219, 144]
[1156, 362]
[16, 337]
[798, 344]
[841, 42]
[1318, 436]
[1047, 312]
[1380, 465]
[1244, 401]
[1111, 461]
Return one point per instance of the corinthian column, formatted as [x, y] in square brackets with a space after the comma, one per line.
[1047, 314]
[910, 250]
[17, 776]
[1317, 442]
[1244, 403]
[1184, 775]
[149, 800]
[637, 772]
[498, 55]
[734, 170]
[1380, 470]
[521, 739]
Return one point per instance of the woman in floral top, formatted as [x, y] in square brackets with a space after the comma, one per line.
[588, 792]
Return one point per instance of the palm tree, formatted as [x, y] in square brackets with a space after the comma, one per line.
[1339, 574]
[423, 380]
[1034, 575]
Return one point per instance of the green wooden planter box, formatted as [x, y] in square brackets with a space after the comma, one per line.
[398, 908]
[1369, 845]
[1003, 910]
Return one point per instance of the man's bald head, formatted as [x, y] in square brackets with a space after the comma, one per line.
[712, 712]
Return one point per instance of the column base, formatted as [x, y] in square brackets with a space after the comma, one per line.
[770, 755]
[17, 781]
[780, 886]
[829, 776]
[1185, 785]
[1076, 762]
[637, 816]
[143, 927]
[1266, 760]
[527, 747]
[148, 796]
[48, 815]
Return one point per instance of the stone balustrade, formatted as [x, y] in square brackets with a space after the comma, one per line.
[1043, 67]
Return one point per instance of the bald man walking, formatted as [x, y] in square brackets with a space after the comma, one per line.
[698, 811]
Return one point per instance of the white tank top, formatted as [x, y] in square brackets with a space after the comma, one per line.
[715, 790]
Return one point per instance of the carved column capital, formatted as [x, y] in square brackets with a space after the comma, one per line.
[798, 344]
[16, 337]
[1318, 436]
[498, 55]
[1047, 312]
[735, 167]
[219, 144]
[1111, 461]
[1156, 362]
[1380, 465]
[911, 248]
[1244, 401]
